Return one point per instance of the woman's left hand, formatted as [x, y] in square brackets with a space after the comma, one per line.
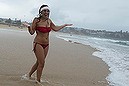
[68, 24]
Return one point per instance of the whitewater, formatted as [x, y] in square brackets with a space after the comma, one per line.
[115, 53]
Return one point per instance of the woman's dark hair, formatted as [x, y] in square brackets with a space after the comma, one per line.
[42, 7]
[40, 11]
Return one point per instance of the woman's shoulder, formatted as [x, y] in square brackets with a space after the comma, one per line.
[36, 19]
[50, 21]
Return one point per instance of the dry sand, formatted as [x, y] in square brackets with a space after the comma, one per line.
[3, 26]
[67, 63]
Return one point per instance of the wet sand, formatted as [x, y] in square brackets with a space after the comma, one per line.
[67, 63]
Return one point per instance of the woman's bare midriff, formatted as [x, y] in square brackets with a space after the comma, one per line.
[42, 38]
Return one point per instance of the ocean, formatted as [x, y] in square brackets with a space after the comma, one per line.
[115, 53]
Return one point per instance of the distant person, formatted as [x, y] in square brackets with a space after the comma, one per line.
[42, 25]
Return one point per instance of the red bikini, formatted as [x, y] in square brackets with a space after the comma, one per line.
[43, 45]
[43, 30]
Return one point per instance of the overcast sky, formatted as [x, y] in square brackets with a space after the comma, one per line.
[93, 14]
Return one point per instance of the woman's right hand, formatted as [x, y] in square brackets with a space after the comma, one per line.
[26, 24]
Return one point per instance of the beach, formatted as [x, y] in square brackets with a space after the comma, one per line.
[67, 63]
[4, 26]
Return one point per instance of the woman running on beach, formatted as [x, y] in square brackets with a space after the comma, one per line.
[42, 26]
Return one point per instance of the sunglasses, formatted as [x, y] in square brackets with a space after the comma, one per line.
[46, 10]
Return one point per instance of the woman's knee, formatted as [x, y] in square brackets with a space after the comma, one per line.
[41, 64]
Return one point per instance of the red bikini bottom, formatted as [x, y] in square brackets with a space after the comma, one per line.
[43, 45]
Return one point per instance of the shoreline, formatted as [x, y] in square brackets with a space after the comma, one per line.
[67, 63]
[102, 82]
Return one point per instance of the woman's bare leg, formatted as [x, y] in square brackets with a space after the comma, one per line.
[41, 55]
[33, 69]
[46, 51]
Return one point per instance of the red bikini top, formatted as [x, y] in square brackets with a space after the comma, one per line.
[44, 29]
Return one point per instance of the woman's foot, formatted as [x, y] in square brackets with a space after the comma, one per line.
[26, 77]
[39, 83]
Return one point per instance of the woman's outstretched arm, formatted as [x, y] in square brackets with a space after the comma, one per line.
[31, 28]
[57, 28]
